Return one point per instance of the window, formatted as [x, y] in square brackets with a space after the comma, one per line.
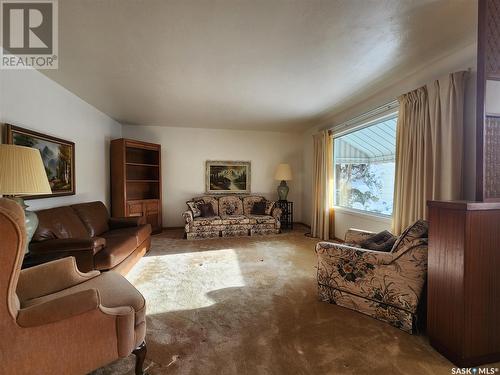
[364, 162]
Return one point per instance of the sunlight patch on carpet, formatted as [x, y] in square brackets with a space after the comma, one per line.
[186, 279]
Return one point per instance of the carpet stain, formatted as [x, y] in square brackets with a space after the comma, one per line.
[249, 306]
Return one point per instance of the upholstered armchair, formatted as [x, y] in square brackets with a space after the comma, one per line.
[385, 285]
[57, 320]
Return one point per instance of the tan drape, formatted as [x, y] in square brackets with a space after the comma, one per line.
[322, 223]
[429, 148]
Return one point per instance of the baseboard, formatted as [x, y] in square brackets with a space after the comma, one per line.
[301, 223]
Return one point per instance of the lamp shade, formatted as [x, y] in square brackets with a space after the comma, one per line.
[22, 171]
[283, 173]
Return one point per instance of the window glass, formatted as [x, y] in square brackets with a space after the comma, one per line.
[364, 162]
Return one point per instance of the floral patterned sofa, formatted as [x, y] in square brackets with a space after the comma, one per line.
[385, 285]
[233, 217]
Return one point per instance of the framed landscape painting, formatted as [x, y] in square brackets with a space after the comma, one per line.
[223, 177]
[58, 156]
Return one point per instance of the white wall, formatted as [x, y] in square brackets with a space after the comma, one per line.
[31, 100]
[346, 219]
[460, 60]
[185, 150]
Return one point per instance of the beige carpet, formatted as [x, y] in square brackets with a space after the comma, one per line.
[249, 306]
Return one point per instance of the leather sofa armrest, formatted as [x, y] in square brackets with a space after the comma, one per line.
[59, 309]
[68, 244]
[50, 278]
[126, 222]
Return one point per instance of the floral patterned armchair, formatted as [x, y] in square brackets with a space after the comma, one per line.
[385, 285]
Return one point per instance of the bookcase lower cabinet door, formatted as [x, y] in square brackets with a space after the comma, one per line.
[152, 214]
[135, 209]
[150, 209]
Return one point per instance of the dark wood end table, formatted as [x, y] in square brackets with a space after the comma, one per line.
[286, 214]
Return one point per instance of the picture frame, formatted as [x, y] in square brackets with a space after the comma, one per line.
[58, 156]
[227, 177]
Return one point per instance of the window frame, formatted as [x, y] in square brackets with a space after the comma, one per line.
[390, 110]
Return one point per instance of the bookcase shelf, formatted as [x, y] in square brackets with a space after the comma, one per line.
[136, 180]
[129, 181]
[143, 165]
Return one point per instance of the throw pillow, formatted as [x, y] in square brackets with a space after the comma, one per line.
[193, 206]
[269, 207]
[259, 208]
[206, 209]
[383, 241]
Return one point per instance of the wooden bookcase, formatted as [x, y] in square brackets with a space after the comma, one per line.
[136, 180]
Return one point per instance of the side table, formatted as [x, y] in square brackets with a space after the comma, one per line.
[286, 214]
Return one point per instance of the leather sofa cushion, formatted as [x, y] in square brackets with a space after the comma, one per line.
[68, 245]
[94, 216]
[140, 233]
[59, 222]
[117, 249]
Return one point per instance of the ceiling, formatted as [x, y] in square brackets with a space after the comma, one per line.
[240, 64]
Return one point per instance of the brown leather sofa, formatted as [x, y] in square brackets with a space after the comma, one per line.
[87, 232]
[57, 320]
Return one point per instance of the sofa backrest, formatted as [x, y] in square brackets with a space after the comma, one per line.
[418, 230]
[230, 205]
[57, 223]
[248, 202]
[94, 216]
[209, 199]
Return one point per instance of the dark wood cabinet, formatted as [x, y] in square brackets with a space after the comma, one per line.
[464, 281]
[136, 180]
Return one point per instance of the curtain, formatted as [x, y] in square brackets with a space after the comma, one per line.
[429, 148]
[322, 223]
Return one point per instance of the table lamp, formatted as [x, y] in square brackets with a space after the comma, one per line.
[283, 174]
[22, 173]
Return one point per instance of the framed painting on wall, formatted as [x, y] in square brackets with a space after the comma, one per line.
[58, 156]
[223, 177]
